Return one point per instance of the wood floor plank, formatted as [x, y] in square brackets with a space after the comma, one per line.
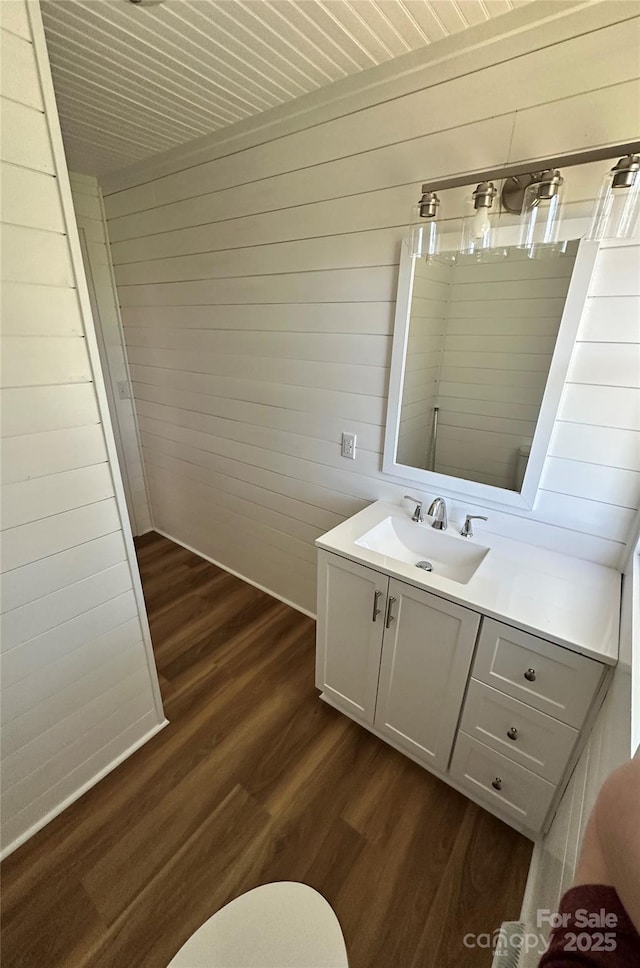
[73, 926]
[200, 877]
[254, 780]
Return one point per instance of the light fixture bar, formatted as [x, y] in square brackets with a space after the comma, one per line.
[525, 167]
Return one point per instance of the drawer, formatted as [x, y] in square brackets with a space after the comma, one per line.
[554, 680]
[519, 795]
[523, 734]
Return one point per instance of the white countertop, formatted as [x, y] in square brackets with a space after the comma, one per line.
[569, 601]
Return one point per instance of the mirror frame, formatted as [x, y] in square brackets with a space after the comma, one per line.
[572, 313]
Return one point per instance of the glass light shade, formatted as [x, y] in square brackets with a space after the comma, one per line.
[540, 219]
[425, 240]
[617, 207]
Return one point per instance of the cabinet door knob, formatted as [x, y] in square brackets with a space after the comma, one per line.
[497, 783]
[390, 617]
[512, 733]
[530, 675]
[376, 610]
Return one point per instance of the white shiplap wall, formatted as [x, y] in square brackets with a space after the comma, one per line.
[257, 282]
[79, 688]
[87, 203]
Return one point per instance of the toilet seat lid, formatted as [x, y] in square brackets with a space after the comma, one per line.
[280, 925]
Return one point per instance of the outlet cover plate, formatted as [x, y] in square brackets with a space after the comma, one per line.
[349, 446]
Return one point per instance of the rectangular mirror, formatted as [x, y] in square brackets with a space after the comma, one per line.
[480, 356]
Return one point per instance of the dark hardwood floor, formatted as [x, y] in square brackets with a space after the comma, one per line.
[254, 780]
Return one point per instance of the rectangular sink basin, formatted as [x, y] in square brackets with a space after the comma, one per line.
[451, 556]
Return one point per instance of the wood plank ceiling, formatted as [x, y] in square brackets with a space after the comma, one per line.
[135, 80]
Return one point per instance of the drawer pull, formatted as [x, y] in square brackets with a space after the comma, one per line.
[512, 733]
[497, 783]
[530, 675]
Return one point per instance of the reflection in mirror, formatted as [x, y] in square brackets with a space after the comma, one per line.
[481, 337]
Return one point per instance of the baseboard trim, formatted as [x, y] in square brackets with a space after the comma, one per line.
[236, 574]
[80, 792]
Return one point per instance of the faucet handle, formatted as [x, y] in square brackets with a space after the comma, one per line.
[418, 514]
[467, 531]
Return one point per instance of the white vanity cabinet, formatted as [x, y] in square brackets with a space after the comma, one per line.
[497, 712]
[393, 656]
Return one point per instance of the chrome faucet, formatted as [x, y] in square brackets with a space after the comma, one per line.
[438, 511]
[467, 530]
[418, 514]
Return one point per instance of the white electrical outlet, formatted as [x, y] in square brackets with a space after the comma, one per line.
[349, 446]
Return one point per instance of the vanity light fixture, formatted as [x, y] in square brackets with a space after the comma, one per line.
[425, 241]
[540, 218]
[618, 204]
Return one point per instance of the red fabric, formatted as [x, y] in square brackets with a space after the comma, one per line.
[585, 945]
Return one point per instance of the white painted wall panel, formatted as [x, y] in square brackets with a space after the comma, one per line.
[604, 316]
[13, 18]
[34, 310]
[39, 539]
[37, 455]
[30, 198]
[79, 685]
[234, 266]
[62, 674]
[608, 406]
[19, 73]
[87, 202]
[22, 585]
[61, 641]
[25, 137]
[32, 410]
[44, 361]
[36, 763]
[21, 624]
[36, 784]
[31, 500]
[31, 255]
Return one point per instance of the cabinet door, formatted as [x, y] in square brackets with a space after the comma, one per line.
[426, 657]
[351, 611]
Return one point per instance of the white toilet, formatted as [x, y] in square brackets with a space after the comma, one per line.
[281, 925]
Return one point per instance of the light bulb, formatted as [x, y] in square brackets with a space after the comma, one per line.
[480, 223]
[476, 228]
